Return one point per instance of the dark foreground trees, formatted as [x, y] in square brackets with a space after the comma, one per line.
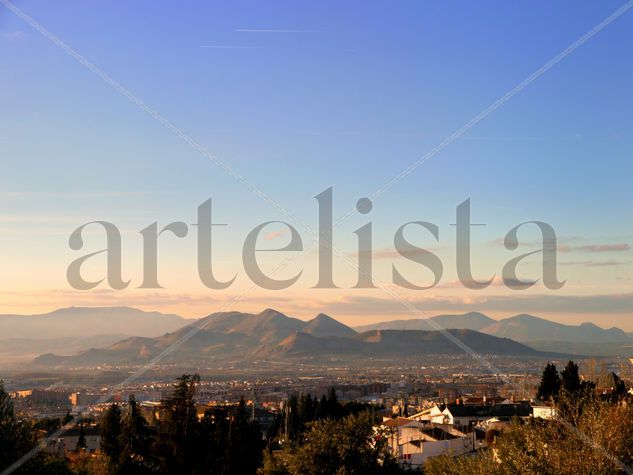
[182, 441]
[590, 434]
[346, 446]
[601, 443]
[17, 438]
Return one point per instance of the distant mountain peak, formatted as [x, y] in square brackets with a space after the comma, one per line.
[526, 317]
[472, 321]
[325, 326]
[324, 317]
[89, 322]
[589, 325]
[271, 313]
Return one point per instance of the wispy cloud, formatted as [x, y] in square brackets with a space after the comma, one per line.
[538, 304]
[276, 234]
[564, 245]
[387, 253]
[229, 47]
[618, 247]
[14, 35]
[10, 195]
[32, 219]
[611, 263]
[274, 30]
[497, 281]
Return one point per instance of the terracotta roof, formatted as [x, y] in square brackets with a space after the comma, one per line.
[398, 422]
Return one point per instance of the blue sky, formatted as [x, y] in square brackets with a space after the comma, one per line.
[299, 96]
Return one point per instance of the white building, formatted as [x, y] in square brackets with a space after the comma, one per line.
[412, 442]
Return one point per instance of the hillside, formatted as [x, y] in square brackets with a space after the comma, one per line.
[271, 334]
[538, 333]
[88, 322]
[468, 321]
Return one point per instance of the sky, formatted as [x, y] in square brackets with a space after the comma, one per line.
[288, 99]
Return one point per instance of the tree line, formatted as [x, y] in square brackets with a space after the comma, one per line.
[309, 435]
[589, 433]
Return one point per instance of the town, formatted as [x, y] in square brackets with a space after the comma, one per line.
[415, 416]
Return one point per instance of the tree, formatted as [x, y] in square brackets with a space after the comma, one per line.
[135, 440]
[244, 445]
[570, 378]
[110, 425]
[81, 441]
[550, 384]
[16, 436]
[600, 442]
[344, 446]
[575, 395]
[332, 405]
[181, 424]
[213, 439]
[306, 410]
[293, 420]
[67, 418]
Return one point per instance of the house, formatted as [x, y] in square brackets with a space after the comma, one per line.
[428, 415]
[483, 400]
[67, 441]
[465, 415]
[412, 442]
[544, 412]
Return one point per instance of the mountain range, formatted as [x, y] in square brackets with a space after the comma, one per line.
[123, 334]
[273, 335]
[586, 338]
[88, 321]
[75, 329]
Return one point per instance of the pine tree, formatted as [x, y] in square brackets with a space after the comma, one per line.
[245, 444]
[16, 437]
[110, 425]
[293, 421]
[306, 410]
[134, 439]
[81, 441]
[67, 418]
[570, 378]
[181, 421]
[550, 384]
[333, 408]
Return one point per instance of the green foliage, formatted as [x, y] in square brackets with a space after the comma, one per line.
[16, 435]
[598, 443]
[135, 441]
[568, 392]
[482, 464]
[570, 378]
[48, 424]
[81, 441]
[301, 411]
[344, 446]
[110, 426]
[67, 418]
[178, 431]
[244, 447]
[550, 384]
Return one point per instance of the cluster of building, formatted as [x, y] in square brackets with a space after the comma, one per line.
[432, 411]
[458, 428]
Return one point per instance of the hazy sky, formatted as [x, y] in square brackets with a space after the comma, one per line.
[300, 96]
